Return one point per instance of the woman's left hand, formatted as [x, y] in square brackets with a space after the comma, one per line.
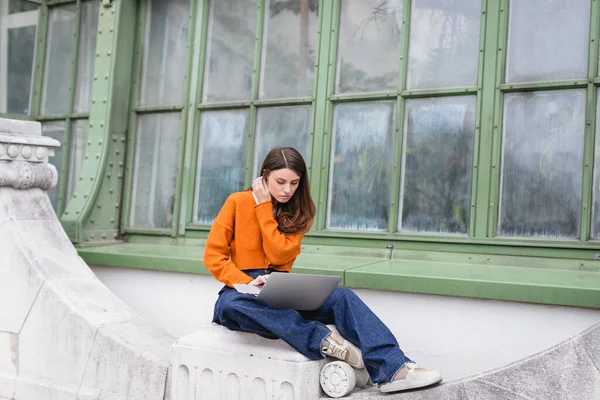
[261, 191]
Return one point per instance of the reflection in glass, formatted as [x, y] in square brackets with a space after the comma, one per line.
[289, 48]
[548, 40]
[230, 50]
[55, 130]
[542, 161]
[282, 126]
[88, 30]
[360, 174]
[439, 136]
[19, 70]
[221, 161]
[59, 56]
[165, 52]
[368, 46]
[18, 6]
[78, 144]
[444, 43]
[155, 171]
[596, 185]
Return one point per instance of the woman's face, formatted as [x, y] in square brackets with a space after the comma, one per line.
[282, 184]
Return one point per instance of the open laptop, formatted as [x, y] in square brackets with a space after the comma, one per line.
[303, 292]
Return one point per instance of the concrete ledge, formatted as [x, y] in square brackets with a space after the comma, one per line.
[216, 363]
[570, 370]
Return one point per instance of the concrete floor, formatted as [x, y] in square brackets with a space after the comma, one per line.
[458, 336]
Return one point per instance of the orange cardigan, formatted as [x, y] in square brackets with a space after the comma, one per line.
[245, 236]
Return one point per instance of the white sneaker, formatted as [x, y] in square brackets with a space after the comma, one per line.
[416, 377]
[336, 346]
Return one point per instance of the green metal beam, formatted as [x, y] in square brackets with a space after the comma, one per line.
[96, 208]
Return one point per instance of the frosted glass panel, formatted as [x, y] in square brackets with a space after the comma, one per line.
[368, 46]
[155, 171]
[55, 130]
[59, 56]
[165, 52]
[289, 48]
[438, 164]
[230, 50]
[360, 169]
[88, 31]
[444, 43]
[596, 186]
[79, 135]
[282, 126]
[542, 161]
[548, 40]
[221, 161]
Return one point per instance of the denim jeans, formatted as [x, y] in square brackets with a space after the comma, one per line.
[305, 331]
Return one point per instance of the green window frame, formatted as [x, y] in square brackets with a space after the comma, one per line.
[69, 126]
[488, 91]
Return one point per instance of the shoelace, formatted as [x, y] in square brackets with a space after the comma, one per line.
[335, 350]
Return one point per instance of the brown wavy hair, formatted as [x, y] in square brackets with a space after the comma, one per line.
[297, 214]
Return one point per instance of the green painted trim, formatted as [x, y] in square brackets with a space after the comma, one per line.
[478, 117]
[326, 35]
[587, 200]
[348, 97]
[60, 117]
[198, 42]
[189, 82]
[157, 109]
[138, 59]
[20, 117]
[443, 273]
[153, 232]
[58, 2]
[495, 117]
[40, 62]
[296, 101]
[539, 86]
[573, 288]
[101, 113]
[413, 93]
[74, 56]
[256, 67]
[324, 136]
[397, 190]
[64, 173]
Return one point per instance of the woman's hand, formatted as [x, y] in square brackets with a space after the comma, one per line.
[260, 280]
[261, 191]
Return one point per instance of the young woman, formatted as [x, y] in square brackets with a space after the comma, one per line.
[258, 232]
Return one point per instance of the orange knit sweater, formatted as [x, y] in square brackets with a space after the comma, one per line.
[245, 236]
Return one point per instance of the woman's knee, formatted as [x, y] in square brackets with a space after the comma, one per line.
[229, 305]
[344, 294]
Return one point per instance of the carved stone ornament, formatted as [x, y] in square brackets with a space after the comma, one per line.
[24, 156]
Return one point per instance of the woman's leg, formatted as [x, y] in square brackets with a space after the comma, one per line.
[243, 312]
[360, 326]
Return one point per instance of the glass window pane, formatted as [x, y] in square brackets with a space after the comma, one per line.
[155, 171]
[59, 55]
[289, 48]
[362, 154]
[542, 162]
[596, 186]
[282, 126]
[221, 161]
[88, 31]
[165, 52]
[444, 43]
[55, 130]
[230, 50]
[540, 51]
[368, 46]
[438, 163]
[18, 6]
[78, 144]
[17, 54]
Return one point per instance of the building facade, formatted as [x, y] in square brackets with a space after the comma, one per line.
[458, 138]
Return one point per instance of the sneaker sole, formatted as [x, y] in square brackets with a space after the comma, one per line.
[400, 385]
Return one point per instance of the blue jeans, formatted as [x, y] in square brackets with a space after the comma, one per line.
[305, 331]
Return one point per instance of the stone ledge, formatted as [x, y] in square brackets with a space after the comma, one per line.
[222, 364]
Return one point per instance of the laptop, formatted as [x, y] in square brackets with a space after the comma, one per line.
[302, 292]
